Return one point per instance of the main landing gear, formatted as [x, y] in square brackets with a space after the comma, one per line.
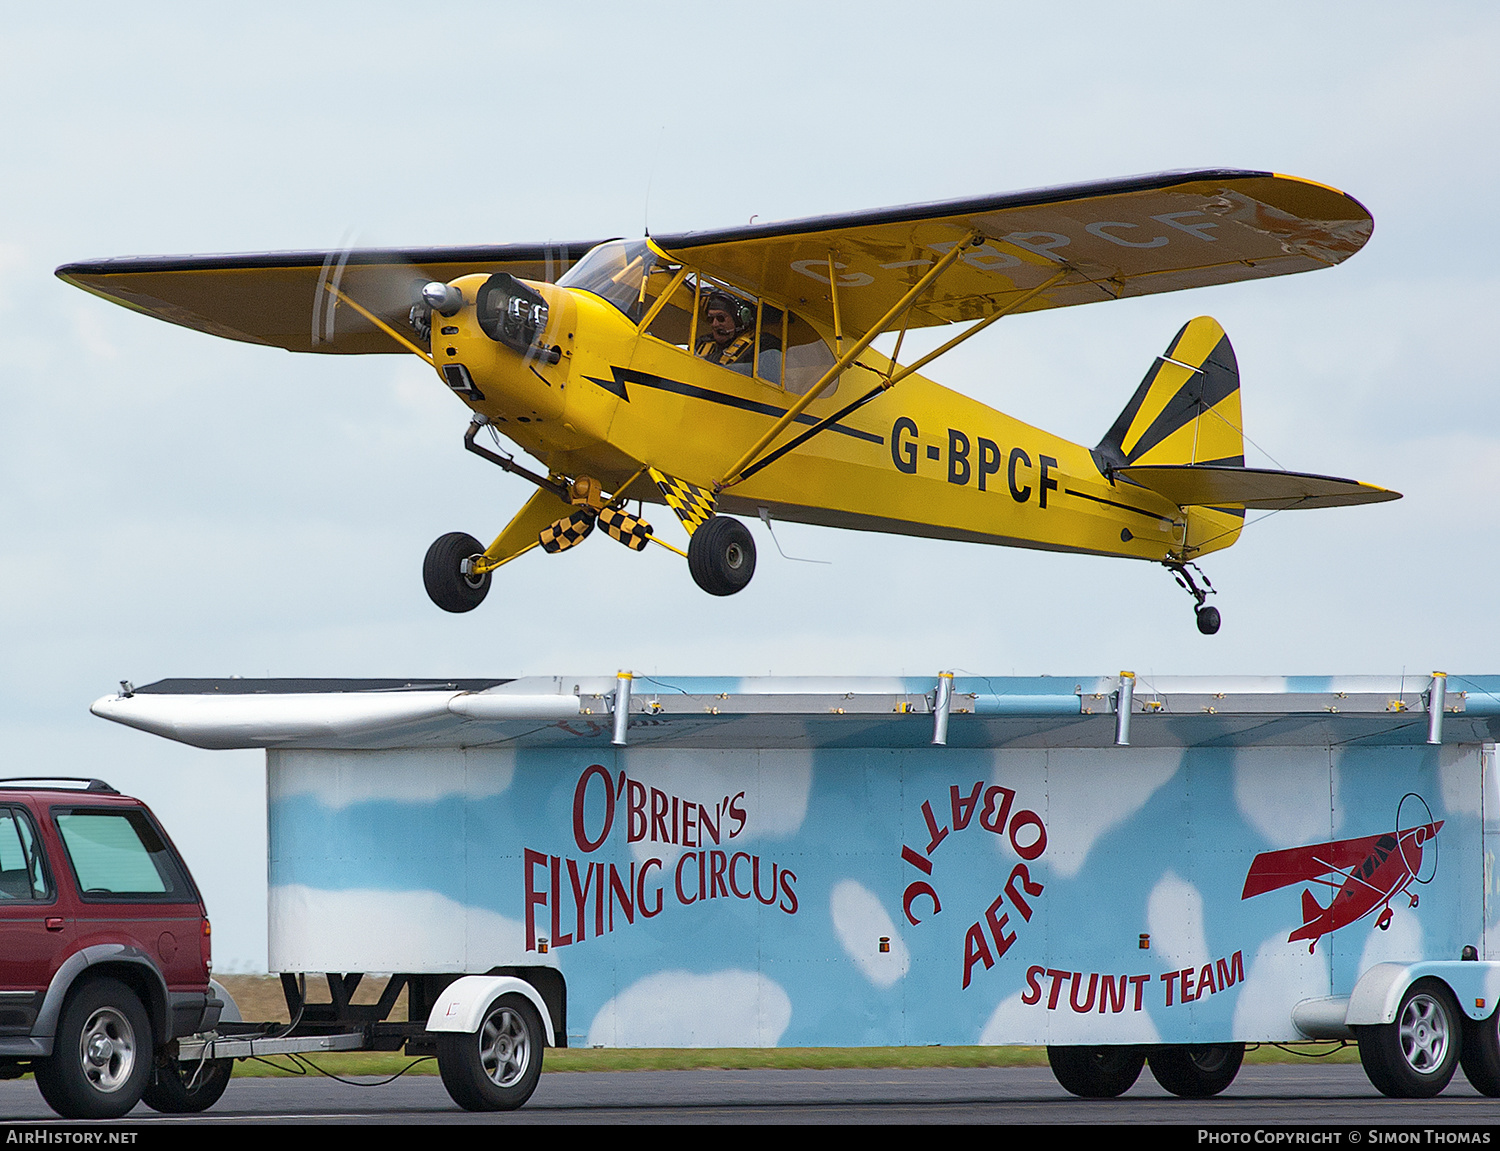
[1208, 617]
[456, 571]
[448, 576]
[721, 556]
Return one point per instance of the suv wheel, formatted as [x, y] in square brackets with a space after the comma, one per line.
[101, 1056]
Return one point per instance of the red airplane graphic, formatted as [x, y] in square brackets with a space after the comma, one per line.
[1371, 872]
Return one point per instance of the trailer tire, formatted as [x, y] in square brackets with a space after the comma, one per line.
[497, 1067]
[101, 1056]
[1480, 1057]
[1414, 1057]
[1196, 1071]
[168, 1089]
[1096, 1072]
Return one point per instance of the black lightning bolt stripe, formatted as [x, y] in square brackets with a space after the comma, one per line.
[624, 376]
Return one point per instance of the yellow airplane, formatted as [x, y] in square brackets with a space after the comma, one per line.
[732, 372]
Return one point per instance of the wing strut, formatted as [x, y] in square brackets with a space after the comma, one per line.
[898, 309]
[377, 321]
[892, 379]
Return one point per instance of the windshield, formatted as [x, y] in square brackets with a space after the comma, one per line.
[616, 272]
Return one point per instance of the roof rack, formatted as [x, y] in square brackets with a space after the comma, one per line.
[66, 782]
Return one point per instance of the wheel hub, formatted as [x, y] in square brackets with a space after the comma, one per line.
[108, 1049]
[1424, 1034]
[504, 1049]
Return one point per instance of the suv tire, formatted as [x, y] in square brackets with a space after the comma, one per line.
[102, 1053]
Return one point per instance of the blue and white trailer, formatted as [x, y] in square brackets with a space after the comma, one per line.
[1125, 870]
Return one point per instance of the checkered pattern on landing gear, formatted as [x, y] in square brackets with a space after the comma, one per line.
[567, 532]
[628, 529]
[693, 505]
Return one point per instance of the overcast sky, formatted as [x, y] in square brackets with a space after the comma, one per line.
[178, 505]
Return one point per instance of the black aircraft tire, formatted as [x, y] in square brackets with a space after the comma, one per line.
[1196, 1071]
[1096, 1072]
[1208, 620]
[447, 586]
[721, 556]
[1414, 1057]
[497, 1067]
[169, 1092]
[101, 1056]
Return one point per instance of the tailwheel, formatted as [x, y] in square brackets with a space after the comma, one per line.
[1208, 617]
[721, 556]
[447, 576]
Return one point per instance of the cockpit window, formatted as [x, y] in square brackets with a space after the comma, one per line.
[615, 272]
[807, 357]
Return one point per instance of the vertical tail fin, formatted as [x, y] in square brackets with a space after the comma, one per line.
[1186, 410]
[1311, 908]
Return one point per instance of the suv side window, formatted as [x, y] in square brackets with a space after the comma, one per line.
[119, 855]
[22, 875]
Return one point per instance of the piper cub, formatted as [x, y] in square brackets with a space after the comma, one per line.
[733, 372]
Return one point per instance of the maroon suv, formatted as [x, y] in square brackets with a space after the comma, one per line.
[104, 952]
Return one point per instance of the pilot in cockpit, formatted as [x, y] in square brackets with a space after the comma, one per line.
[731, 332]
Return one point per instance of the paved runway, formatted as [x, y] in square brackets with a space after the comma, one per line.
[1262, 1095]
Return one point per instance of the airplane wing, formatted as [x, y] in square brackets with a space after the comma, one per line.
[1115, 238]
[1273, 869]
[1221, 486]
[272, 297]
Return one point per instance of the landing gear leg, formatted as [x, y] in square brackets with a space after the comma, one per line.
[1208, 617]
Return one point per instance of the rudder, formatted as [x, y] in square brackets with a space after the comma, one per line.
[1186, 410]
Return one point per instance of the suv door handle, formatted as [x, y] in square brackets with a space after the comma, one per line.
[56, 923]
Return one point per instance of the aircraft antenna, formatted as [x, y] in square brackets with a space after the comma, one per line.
[650, 177]
[765, 518]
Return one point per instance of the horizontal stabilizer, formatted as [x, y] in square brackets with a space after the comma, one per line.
[1220, 486]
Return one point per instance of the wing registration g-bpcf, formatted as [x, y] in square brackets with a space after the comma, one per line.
[731, 372]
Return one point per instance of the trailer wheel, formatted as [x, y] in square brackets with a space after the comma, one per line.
[1480, 1057]
[497, 1067]
[1096, 1072]
[177, 1090]
[1196, 1071]
[1414, 1057]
